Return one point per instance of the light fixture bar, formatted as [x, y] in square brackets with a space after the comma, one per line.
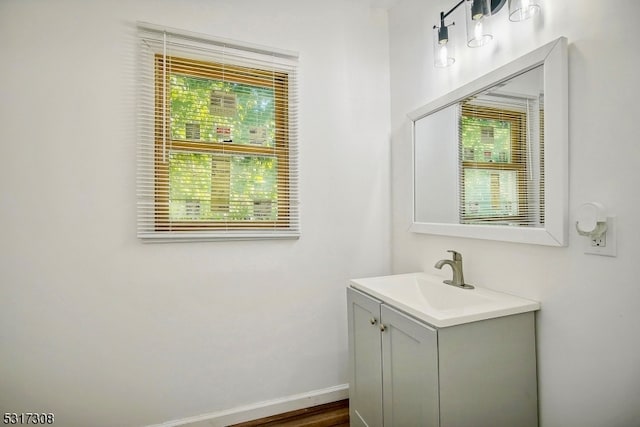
[444, 15]
[478, 31]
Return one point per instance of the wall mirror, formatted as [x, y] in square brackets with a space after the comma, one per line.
[490, 159]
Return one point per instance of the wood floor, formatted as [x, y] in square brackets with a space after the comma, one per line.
[334, 414]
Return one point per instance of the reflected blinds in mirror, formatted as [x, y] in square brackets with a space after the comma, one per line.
[500, 162]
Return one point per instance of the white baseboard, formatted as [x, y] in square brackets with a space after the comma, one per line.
[263, 409]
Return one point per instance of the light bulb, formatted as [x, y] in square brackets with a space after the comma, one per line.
[443, 54]
[477, 31]
[478, 23]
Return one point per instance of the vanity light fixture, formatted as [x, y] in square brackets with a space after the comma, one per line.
[478, 31]
[443, 54]
[477, 25]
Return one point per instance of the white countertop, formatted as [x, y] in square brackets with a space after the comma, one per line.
[425, 297]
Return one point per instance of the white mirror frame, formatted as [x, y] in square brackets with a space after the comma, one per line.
[553, 58]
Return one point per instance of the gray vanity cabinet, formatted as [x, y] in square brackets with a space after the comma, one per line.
[393, 353]
[404, 372]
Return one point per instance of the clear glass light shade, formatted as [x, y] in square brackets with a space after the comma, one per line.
[478, 26]
[519, 10]
[443, 52]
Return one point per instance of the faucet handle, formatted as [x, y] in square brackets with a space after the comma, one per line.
[457, 256]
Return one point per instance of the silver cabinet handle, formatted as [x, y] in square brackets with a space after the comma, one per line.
[382, 327]
[373, 320]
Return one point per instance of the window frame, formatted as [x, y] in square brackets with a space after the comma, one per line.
[280, 150]
[253, 65]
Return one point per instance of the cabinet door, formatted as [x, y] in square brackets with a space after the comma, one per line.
[410, 371]
[365, 362]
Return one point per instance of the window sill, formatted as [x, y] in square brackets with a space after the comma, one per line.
[173, 237]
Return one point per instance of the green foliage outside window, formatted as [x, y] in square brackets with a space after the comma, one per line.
[190, 104]
[489, 192]
[249, 186]
[486, 140]
[216, 186]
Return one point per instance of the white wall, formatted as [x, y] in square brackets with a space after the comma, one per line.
[588, 346]
[103, 330]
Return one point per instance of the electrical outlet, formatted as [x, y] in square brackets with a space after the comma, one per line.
[605, 244]
[600, 242]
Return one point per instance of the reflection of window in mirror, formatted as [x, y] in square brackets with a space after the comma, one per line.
[499, 171]
[501, 176]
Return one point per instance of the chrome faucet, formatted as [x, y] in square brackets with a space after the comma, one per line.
[456, 267]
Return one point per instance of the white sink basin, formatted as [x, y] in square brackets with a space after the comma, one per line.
[425, 296]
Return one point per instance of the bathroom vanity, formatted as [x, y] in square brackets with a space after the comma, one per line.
[423, 353]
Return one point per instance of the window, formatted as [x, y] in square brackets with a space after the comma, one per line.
[218, 148]
[499, 181]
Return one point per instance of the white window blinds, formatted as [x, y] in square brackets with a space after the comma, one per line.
[217, 143]
[501, 161]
